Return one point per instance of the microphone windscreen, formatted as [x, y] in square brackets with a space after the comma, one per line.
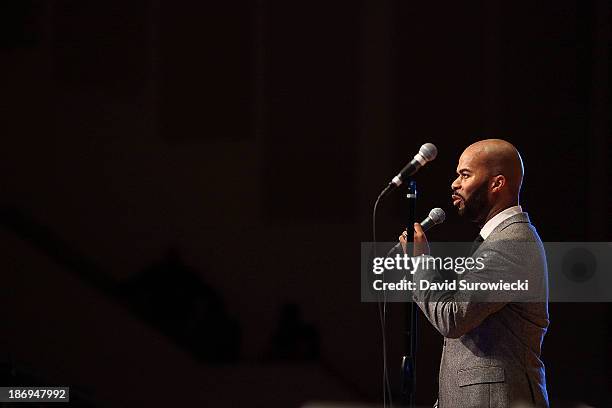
[437, 215]
[429, 151]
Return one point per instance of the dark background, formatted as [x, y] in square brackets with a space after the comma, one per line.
[186, 185]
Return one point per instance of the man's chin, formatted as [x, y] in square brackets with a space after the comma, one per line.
[466, 213]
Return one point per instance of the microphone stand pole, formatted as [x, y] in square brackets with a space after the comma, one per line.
[409, 360]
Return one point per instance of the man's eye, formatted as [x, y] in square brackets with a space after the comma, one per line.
[464, 176]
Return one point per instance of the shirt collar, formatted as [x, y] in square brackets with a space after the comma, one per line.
[498, 219]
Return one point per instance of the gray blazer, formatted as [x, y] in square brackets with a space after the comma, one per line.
[491, 354]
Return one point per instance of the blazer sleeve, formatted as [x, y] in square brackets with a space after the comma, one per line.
[455, 313]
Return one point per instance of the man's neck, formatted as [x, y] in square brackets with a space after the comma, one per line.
[496, 209]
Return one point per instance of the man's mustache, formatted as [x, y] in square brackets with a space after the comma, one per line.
[458, 195]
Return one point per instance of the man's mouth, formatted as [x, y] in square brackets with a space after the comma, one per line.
[457, 199]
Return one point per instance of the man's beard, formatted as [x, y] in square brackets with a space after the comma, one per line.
[476, 207]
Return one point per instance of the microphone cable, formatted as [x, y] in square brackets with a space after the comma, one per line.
[382, 315]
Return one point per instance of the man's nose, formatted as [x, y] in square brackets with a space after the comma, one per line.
[455, 184]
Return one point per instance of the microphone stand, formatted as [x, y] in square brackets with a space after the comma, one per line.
[408, 375]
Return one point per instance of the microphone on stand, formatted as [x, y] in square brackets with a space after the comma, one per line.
[426, 153]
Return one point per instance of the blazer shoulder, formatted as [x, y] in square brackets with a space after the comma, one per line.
[517, 227]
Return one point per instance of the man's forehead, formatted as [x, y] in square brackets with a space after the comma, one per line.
[461, 169]
[475, 153]
[465, 160]
[469, 160]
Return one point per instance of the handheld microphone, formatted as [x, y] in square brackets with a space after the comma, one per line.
[426, 153]
[436, 216]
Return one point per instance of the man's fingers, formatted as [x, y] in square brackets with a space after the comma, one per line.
[419, 234]
[403, 239]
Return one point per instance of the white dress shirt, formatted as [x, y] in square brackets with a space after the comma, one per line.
[498, 218]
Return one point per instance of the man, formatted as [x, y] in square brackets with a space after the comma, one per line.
[491, 354]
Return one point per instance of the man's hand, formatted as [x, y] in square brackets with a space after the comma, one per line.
[421, 246]
[404, 242]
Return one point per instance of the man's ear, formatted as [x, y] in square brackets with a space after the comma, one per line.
[498, 182]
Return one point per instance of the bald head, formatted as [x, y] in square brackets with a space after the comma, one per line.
[498, 157]
[489, 178]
